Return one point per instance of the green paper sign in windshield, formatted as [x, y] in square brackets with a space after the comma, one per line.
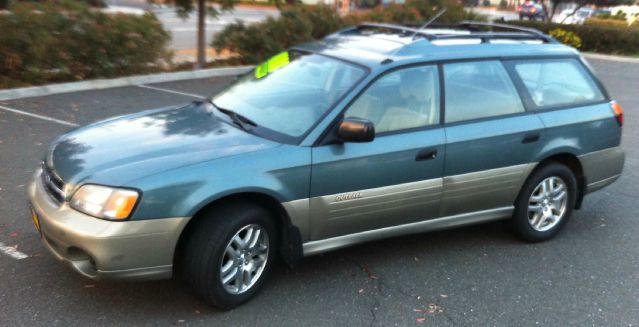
[276, 62]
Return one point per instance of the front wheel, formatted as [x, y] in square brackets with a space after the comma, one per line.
[545, 203]
[230, 253]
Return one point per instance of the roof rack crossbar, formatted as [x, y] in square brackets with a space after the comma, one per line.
[485, 37]
[398, 28]
[537, 33]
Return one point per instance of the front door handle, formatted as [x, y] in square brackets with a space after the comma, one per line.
[530, 137]
[426, 154]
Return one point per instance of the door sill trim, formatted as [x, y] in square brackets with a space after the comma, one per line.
[321, 246]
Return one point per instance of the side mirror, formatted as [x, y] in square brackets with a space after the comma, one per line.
[356, 130]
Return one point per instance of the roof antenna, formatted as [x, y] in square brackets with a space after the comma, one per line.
[439, 13]
[434, 18]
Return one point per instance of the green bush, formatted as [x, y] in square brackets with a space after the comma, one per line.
[620, 15]
[622, 24]
[404, 14]
[297, 24]
[606, 37]
[367, 3]
[256, 42]
[46, 42]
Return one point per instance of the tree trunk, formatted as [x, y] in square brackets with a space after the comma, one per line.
[201, 32]
[546, 13]
[553, 12]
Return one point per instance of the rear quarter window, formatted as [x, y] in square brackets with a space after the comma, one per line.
[553, 83]
[477, 90]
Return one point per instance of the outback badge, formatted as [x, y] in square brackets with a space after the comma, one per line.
[348, 196]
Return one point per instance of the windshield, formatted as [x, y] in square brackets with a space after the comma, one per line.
[290, 92]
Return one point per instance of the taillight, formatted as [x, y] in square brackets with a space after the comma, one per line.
[618, 111]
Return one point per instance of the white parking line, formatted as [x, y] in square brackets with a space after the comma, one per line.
[171, 91]
[20, 112]
[12, 252]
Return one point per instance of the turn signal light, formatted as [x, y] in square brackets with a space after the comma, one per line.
[618, 111]
[119, 207]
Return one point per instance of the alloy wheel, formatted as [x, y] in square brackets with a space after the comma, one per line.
[547, 204]
[244, 259]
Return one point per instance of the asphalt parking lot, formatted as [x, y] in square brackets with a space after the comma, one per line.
[480, 275]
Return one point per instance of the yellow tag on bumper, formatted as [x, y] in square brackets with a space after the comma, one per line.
[35, 219]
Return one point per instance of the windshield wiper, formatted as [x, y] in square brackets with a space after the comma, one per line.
[238, 119]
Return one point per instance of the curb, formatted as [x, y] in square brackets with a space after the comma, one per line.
[591, 55]
[98, 84]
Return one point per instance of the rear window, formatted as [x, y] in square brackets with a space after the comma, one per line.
[552, 83]
[477, 90]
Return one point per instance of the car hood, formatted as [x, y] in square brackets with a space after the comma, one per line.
[124, 148]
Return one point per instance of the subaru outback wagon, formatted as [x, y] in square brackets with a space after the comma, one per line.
[373, 132]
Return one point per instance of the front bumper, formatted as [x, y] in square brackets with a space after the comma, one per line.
[102, 249]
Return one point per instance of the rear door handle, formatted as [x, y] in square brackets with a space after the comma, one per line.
[530, 137]
[426, 154]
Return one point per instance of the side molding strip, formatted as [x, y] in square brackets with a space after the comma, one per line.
[321, 246]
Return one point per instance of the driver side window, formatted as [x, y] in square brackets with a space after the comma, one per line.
[403, 99]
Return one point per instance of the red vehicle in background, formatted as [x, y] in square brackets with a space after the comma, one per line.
[531, 10]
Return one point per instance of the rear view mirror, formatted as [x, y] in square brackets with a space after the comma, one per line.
[356, 130]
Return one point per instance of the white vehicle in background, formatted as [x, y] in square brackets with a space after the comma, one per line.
[123, 10]
[579, 17]
[632, 13]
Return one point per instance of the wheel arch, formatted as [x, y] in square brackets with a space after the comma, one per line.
[290, 248]
[571, 161]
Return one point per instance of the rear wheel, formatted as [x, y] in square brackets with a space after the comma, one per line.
[545, 203]
[230, 253]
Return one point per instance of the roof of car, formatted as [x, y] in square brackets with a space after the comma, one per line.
[375, 44]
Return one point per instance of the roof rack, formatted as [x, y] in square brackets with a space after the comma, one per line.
[520, 33]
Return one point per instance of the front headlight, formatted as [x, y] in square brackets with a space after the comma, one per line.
[104, 202]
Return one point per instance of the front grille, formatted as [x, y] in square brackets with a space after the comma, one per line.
[53, 184]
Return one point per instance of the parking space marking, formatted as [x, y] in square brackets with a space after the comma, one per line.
[171, 91]
[20, 112]
[12, 252]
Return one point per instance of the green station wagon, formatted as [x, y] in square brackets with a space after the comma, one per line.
[373, 132]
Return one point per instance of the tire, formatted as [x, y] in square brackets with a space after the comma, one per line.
[206, 254]
[540, 216]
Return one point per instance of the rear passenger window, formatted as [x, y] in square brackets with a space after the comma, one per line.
[479, 89]
[552, 83]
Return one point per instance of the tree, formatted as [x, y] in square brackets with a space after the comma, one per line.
[204, 9]
[582, 3]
